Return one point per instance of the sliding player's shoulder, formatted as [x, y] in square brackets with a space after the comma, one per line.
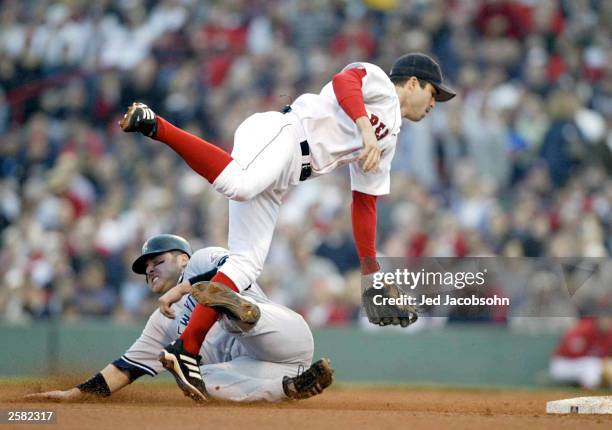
[208, 258]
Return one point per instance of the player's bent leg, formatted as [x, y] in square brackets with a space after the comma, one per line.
[251, 227]
[266, 155]
[246, 379]
[250, 233]
[272, 357]
[280, 336]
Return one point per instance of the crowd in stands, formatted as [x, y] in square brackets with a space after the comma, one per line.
[518, 165]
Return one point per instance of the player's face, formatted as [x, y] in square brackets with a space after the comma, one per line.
[163, 271]
[419, 101]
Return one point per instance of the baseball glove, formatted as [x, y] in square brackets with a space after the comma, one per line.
[387, 314]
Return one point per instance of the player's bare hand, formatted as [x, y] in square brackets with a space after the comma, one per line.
[370, 156]
[56, 396]
[172, 296]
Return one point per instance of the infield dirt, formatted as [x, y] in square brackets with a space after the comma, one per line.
[162, 406]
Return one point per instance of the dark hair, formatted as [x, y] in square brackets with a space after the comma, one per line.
[401, 80]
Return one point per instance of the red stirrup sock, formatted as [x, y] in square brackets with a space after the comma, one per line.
[205, 158]
[225, 280]
[202, 319]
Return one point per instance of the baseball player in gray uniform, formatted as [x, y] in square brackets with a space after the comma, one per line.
[256, 350]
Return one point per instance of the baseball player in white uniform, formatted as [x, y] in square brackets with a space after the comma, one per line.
[261, 359]
[354, 120]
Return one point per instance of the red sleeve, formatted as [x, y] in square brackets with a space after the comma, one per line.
[347, 88]
[363, 217]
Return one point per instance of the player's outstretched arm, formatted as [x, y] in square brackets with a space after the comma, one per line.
[109, 380]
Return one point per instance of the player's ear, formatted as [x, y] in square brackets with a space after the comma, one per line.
[183, 260]
[412, 83]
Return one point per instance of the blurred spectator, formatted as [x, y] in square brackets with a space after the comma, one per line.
[563, 146]
[93, 295]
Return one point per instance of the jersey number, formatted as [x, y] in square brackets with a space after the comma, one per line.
[380, 129]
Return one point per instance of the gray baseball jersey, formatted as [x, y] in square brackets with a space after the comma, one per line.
[237, 365]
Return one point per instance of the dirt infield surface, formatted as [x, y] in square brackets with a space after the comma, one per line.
[162, 406]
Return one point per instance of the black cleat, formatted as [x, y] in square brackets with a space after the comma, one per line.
[311, 382]
[227, 301]
[140, 118]
[185, 368]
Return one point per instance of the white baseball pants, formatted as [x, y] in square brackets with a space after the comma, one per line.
[267, 162]
[276, 347]
[586, 371]
[238, 366]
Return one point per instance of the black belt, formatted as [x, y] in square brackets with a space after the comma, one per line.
[306, 168]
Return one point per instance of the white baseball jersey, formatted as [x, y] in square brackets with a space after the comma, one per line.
[267, 162]
[236, 365]
[335, 139]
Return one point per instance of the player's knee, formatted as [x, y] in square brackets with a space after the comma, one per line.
[242, 190]
[237, 193]
[243, 194]
[234, 183]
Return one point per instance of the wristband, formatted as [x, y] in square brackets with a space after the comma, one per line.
[96, 385]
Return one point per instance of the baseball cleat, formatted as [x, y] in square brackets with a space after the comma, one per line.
[311, 382]
[185, 368]
[140, 118]
[227, 301]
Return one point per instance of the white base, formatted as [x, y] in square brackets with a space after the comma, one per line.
[581, 405]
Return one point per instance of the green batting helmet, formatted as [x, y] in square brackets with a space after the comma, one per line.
[157, 245]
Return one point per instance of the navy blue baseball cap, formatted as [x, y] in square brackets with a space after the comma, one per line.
[423, 67]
